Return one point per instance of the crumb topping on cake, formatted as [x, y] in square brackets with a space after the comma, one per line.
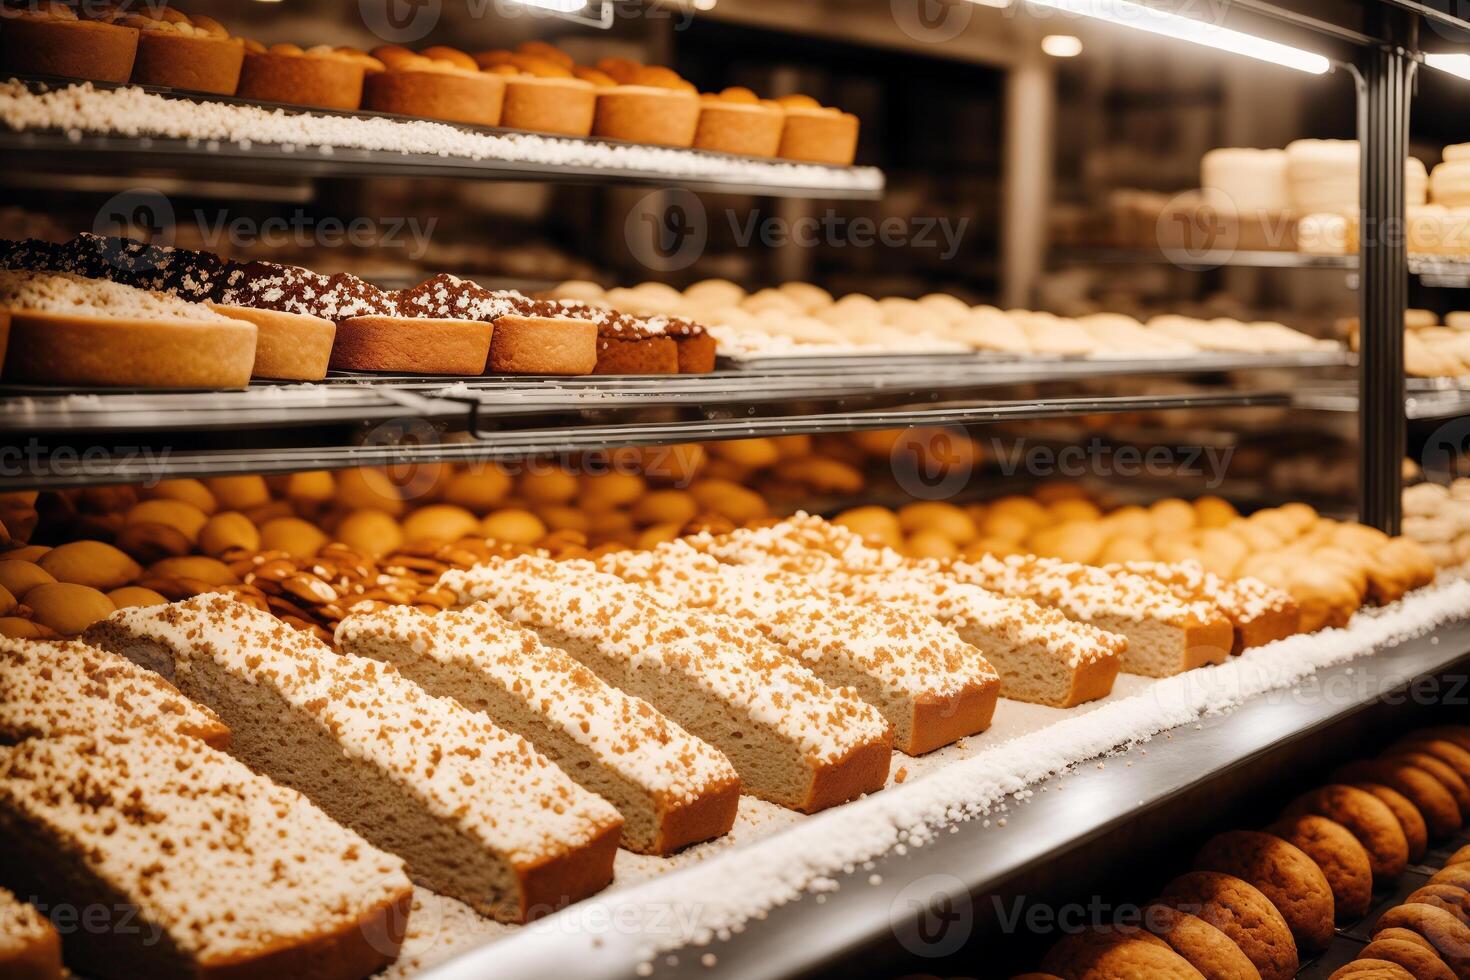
[912, 654]
[715, 652]
[1244, 600]
[71, 295]
[625, 732]
[228, 862]
[70, 688]
[490, 783]
[20, 924]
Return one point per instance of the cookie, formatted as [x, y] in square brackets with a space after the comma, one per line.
[1411, 821]
[1207, 949]
[1283, 873]
[1459, 734]
[1342, 860]
[1453, 898]
[1448, 935]
[1404, 936]
[1367, 818]
[1372, 970]
[1455, 875]
[1111, 954]
[1419, 958]
[1441, 770]
[1447, 750]
[1462, 856]
[1240, 911]
[1430, 798]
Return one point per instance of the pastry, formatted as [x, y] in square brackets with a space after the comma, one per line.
[1103, 953]
[1454, 899]
[543, 345]
[30, 947]
[814, 133]
[794, 740]
[1283, 873]
[627, 354]
[672, 789]
[320, 77]
[436, 83]
[1240, 911]
[176, 50]
[66, 330]
[736, 121]
[541, 94]
[198, 866]
[1371, 969]
[47, 38]
[1366, 818]
[1422, 964]
[477, 813]
[1207, 949]
[1342, 860]
[932, 687]
[74, 689]
[1429, 796]
[405, 345]
[654, 106]
[1444, 773]
[288, 346]
[1259, 613]
[1448, 935]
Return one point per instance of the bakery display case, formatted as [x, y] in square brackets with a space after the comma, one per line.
[613, 565]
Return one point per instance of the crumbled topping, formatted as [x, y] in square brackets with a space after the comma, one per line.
[69, 295]
[627, 734]
[718, 654]
[226, 861]
[70, 688]
[20, 925]
[1244, 600]
[490, 783]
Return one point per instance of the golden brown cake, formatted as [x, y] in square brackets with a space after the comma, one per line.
[410, 345]
[52, 41]
[288, 346]
[817, 134]
[636, 355]
[735, 121]
[647, 114]
[543, 345]
[321, 77]
[436, 83]
[542, 94]
[185, 52]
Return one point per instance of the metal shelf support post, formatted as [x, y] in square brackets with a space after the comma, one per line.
[1384, 90]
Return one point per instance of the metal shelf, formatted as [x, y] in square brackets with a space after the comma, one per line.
[1438, 271]
[872, 904]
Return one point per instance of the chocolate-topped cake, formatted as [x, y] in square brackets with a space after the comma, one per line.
[446, 297]
[31, 255]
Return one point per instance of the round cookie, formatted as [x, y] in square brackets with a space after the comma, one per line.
[1110, 954]
[1461, 856]
[1422, 962]
[1441, 770]
[1459, 734]
[1283, 873]
[1404, 936]
[1242, 913]
[1448, 935]
[1411, 821]
[1371, 970]
[1367, 818]
[1343, 861]
[1456, 875]
[1444, 749]
[1207, 949]
[1454, 899]
[1430, 798]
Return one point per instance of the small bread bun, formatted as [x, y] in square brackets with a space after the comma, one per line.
[228, 530]
[439, 522]
[513, 526]
[91, 563]
[19, 577]
[67, 608]
[186, 518]
[296, 537]
[370, 531]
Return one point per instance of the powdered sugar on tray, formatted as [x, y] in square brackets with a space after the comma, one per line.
[773, 856]
[132, 112]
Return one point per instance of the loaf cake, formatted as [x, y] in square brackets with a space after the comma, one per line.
[815, 133]
[671, 788]
[47, 38]
[931, 686]
[736, 121]
[436, 83]
[1166, 635]
[793, 740]
[288, 346]
[30, 947]
[70, 688]
[67, 330]
[321, 77]
[404, 345]
[1041, 656]
[1258, 613]
[543, 345]
[476, 812]
[204, 868]
[181, 51]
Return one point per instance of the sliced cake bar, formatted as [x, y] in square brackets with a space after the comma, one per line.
[794, 740]
[70, 688]
[200, 867]
[477, 813]
[1041, 656]
[932, 686]
[1259, 613]
[671, 788]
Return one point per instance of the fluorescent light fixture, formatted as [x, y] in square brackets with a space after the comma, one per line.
[1144, 18]
[1452, 64]
[1061, 45]
[557, 6]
